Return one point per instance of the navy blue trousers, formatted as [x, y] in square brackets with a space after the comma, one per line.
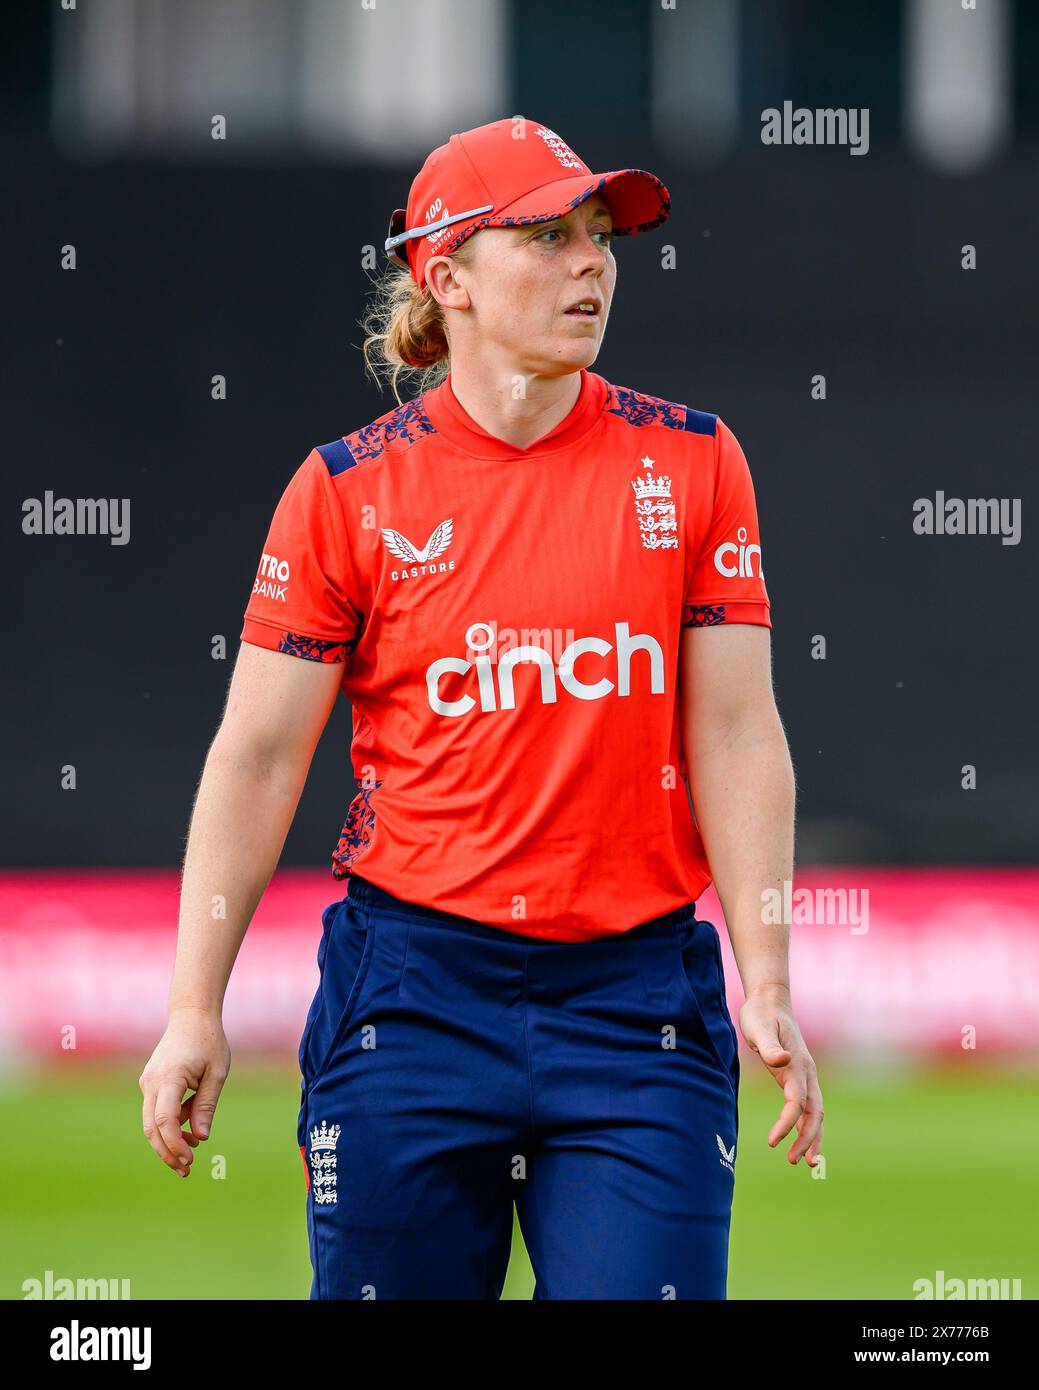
[451, 1069]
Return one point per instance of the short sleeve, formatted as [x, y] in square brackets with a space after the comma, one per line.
[304, 599]
[726, 583]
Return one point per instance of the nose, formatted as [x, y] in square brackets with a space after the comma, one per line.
[589, 254]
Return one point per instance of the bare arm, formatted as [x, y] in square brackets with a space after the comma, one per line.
[743, 791]
[254, 773]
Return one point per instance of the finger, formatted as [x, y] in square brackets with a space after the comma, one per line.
[809, 1128]
[203, 1102]
[186, 1134]
[817, 1143]
[773, 1054]
[808, 1136]
[151, 1132]
[782, 1127]
[168, 1103]
[794, 1091]
[767, 1044]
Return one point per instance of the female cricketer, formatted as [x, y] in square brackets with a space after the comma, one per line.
[542, 595]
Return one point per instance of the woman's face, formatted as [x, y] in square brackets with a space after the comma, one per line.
[519, 290]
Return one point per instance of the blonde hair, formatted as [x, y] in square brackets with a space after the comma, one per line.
[405, 329]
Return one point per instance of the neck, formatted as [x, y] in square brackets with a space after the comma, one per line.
[488, 397]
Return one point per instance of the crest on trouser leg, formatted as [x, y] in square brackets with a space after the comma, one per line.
[323, 1162]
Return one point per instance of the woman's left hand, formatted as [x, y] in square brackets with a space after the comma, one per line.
[768, 1026]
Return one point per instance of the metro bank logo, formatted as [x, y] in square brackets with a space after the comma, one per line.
[499, 692]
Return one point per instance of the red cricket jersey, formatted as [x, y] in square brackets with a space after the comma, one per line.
[508, 622]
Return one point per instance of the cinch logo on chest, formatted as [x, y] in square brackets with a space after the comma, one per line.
[500, 693]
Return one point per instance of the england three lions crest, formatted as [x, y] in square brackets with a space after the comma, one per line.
[323, 1162]
[655, 509]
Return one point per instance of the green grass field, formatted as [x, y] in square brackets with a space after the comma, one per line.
[927, 1169]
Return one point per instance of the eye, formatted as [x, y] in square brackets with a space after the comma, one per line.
[555, 231]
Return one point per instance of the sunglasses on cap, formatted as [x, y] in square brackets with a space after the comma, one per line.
[396, 234]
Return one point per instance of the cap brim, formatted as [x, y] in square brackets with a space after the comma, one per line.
[637, 200]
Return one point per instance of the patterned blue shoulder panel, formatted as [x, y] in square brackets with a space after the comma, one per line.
[408, 422]
[639, 409]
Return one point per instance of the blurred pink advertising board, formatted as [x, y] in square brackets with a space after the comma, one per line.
[906, 960]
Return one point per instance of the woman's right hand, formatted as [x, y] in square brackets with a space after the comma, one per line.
[192, 1055]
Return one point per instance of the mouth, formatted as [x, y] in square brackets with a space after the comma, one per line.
[587, 309]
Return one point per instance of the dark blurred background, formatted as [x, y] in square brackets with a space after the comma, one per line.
[246, 257]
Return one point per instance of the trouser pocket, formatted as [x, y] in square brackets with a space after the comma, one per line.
[703, 983]
[343, 958]
[327, 918]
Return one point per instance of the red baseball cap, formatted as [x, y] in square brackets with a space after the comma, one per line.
[510, 173]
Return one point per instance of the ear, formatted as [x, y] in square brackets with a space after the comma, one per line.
[444, 285]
